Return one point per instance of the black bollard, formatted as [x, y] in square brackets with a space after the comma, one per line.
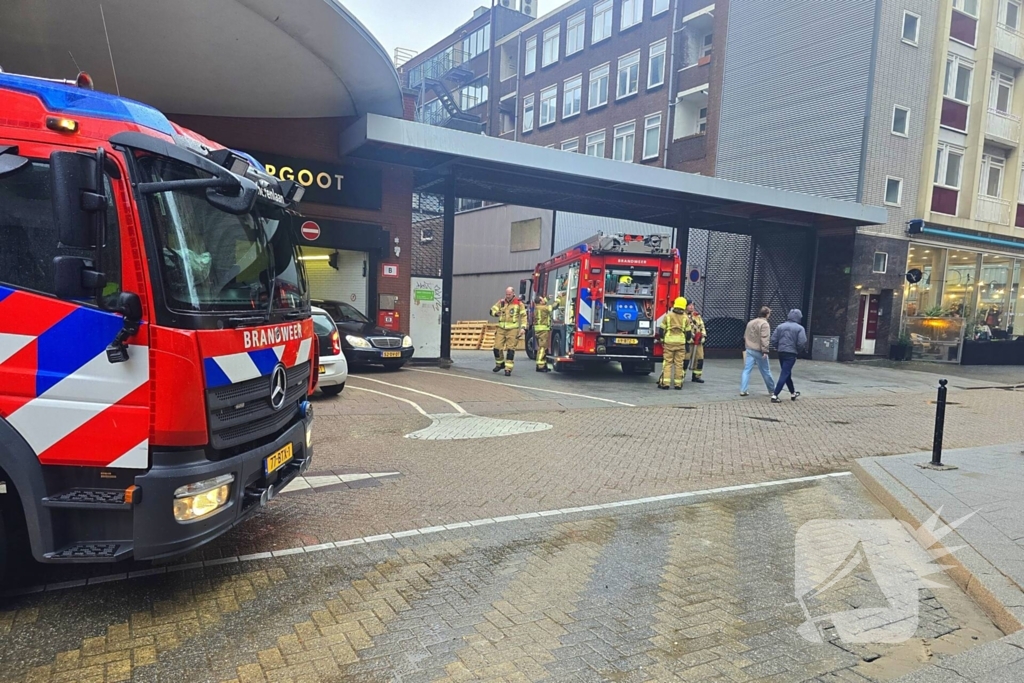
[940, 423]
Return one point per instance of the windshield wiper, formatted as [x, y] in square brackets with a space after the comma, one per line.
[295, 315]
[239, 321]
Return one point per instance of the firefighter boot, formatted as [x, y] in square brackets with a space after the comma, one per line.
[509, 361]
[499, 363]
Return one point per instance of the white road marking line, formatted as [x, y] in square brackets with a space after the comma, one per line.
[321, 480]
[521, 386]
[397, 398]
[429, 530]
[453, 404]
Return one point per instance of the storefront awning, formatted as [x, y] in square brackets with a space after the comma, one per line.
[493, 169]
[232, 58]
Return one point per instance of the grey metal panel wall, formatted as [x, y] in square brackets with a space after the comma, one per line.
[483, 240]
[473, 295]
[794, 94]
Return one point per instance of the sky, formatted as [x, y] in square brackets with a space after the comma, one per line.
[418, 24]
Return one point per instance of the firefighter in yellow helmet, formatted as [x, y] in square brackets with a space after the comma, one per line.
[541, 331]
[625, 280]
[674, 331]
[511, 315]
[700, 338]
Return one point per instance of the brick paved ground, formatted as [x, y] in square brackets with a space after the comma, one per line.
[698, 592]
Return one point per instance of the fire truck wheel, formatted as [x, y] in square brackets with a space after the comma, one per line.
[3, 548]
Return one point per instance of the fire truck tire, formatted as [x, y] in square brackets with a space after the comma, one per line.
[531, 345]
[3, 548]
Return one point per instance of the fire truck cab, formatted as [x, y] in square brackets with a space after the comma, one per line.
[156, 346]
[607, 295]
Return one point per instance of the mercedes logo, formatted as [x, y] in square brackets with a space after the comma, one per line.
[278, 387]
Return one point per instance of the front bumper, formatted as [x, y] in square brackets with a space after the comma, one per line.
[158, 534]
[376, 356]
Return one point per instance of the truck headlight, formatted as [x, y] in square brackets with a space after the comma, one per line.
[357, 342]
[202, 498]
[406, 340]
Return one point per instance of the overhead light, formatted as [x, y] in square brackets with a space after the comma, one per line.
[316, 257]
[62, 124]
[231, 161]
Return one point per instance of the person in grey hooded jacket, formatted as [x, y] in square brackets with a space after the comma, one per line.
[789, 338]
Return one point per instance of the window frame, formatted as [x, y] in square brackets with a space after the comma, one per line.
[616, 136]
[885, 263]
[529, 104]
[644, 154]
[603, 9]
[989, 162]
[917, 28]
[607, 67]
[665, 7]
[530, 65]
[899, 191]
[580, 29]
[604, 144]
[997, 80]
[702, 121]
[554, 108]
[943, 151]
[706, 48]
[574, 141]
[618, 74]
[1005, 4]
[638, 9]
[958, 5]
[565, 96]
[661, 45]
[546, 40]
[906, 121]
[954, 62]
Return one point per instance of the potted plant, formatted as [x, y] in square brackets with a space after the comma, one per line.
[902, 349]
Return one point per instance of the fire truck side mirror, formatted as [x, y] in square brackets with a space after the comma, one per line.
[74, 278]
[78, 196]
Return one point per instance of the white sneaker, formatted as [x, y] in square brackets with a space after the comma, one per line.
[744, 393]
[775, 399]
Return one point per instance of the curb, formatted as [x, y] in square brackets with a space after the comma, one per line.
[1000, 598]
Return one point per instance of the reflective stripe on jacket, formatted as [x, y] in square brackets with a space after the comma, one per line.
[541, 317]
[510, 314]
[676, 326]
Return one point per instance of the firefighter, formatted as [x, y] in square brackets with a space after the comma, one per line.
[541, 331]
[700, 338]
[511, 315]
[674, 331]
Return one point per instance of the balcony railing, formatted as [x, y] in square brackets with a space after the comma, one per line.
[1009, 42]
[1004, 127]
[992, 210]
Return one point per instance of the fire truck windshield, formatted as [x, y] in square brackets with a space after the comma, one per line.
[211, 260]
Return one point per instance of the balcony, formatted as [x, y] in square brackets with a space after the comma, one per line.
[1009, 43]
[992, 210]
[1003, 128]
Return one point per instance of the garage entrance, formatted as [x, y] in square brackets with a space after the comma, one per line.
[338, 275]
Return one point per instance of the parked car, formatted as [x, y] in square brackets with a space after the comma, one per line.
[363, 342]
[333, 366]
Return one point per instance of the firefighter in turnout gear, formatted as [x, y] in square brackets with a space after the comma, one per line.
[511, 315]
[700, 338]
[674, 329]
[541, 332]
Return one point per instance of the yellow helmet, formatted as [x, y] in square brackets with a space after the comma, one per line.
[625, 280]
[680, 303]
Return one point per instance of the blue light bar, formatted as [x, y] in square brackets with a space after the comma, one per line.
[70, 100]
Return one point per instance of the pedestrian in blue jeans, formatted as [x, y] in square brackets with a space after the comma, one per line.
[757, 337]
[790, 338]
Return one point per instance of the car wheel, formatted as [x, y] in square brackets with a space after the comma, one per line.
[333, 391]
[391, 366]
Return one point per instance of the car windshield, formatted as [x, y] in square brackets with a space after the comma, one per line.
[212, 260]
[345, 313]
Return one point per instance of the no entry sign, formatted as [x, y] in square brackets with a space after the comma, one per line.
[310, 231]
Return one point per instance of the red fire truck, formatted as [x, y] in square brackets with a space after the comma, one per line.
[608, 294]
[156, 345]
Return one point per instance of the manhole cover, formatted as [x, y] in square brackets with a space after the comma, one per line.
[763, 419]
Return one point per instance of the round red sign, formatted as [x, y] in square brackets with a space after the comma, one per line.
[310, 230]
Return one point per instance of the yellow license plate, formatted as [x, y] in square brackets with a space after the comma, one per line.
[391, 354]
[626, 340]
[278, 459]
[322, 369]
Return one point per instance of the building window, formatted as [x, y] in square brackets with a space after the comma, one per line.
[880, 264]
[597, 95]
[531, 56]
[652, 136]
[550, 55]
[893, 191]
[1001, 94]
[949, 161]
[548, 105]
[656, 65]
[900, 121]
[571, 145]
[476, 43]
[602, 22]
[911, 27]
[702, 121]
[625, 138]
[474, 94]
[1011, 15]
[958, 78]
[659, 7]
[572, 97]
[596, 144]
[992, 172]
[632, 13]
[528, 113]
[575, 33]
[967, 7]
[706, 44]
[629, 75]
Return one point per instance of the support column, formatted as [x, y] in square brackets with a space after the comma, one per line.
[683, 245]
[447, 269]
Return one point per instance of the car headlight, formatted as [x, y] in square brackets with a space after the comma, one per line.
[406, 340]
[357, 342]
[202, 498]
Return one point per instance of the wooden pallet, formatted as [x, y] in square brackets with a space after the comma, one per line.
[488, 340]
[467, 335]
